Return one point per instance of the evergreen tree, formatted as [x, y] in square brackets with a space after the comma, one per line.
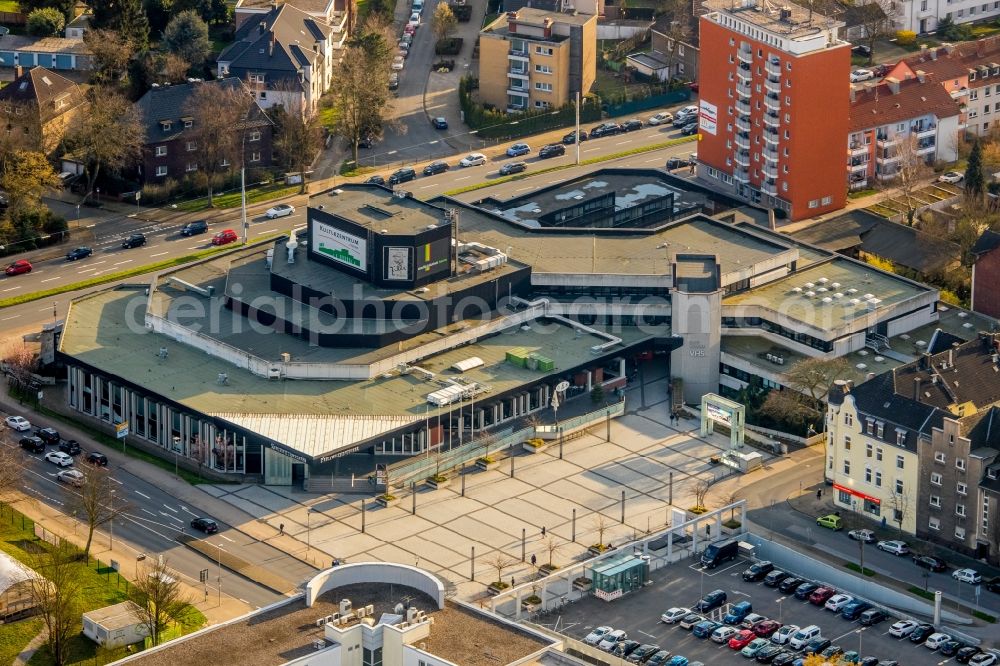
[127, 17]
[974, 180]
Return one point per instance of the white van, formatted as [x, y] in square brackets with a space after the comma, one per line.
[803, 636]
[418, 6]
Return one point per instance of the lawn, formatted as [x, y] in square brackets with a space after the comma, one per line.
[101, 586]
[607, 84]
[232, 199]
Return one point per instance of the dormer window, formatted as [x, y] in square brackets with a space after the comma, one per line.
[166, 125]
[187, 124]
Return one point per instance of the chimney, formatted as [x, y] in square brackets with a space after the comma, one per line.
[547, 27]
[934, 54]
[18, 71]
[907, 75]
[270, 47]
[916, 389]
[262, 27]
[853, 94]
[980, 47]
[923, 49]
[512, 22]
[893, 84]
[922, 76]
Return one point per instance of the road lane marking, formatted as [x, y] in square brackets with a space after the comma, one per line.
[227, 538]
[9, 318]
[622, 143]
[464, 178]
[170, 508]
[150, 513]
[655, 159]
[127, 261]
[243, 600]
[158, 254]
[172, 517]
[51, 279]
[142, 494]
[194, 247]
[98, 263]
[184, 508]
[13, 288]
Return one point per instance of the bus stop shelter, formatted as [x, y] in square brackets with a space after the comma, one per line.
[620, 574]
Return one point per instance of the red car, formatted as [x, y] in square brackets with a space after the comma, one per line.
[765, 628]
[18, 267]
[741, 639]
[224, 237]
[819, 597]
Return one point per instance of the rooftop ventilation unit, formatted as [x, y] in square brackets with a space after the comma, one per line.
[824, 280]
[797, 290]
[828, 300]
[810, 294]
[809, 285]
[838, 295]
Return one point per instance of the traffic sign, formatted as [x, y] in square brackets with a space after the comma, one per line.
[121, 430]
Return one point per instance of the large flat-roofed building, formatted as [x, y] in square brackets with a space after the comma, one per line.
[769, 117]
[534, 59]
[391, 327]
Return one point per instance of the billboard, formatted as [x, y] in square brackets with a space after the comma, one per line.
[339, 246]
[708, 117]
[717, 413]
[434, 256]
[397, 263]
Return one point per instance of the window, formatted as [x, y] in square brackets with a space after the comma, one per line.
[880, 430]
[543, 50]
[868, 450]
[961, 488]
[187, 124]
[868, 474]
[849, 419]
[191, 166]
[869, 423]
[934, 523]
[541, 104]
[843, 498]
[161, 170]
[255, 157]
[847, 467]
[878, 479]
[546, 87]
[263, 95]
[255, 78]
[161, 151]
[900, 438]
[960, 464]
[935, 501]
[191, 146]
[255, 136]
[899, 462]
[543, 69]
[960, 533]
[224, 162]
[960, 510]
[939, 457]
[847, 443]
[878, 453]
[936, 479]
[899, 486]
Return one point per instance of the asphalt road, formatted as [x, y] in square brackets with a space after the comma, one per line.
[151, 522]
[801, 529]
[681, 585]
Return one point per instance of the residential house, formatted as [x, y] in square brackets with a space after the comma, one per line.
[169, 150]
[286, 58]
[885, 115]
[50, 52]
[333, 12]
[671, 55]
[922, 16]
[988, 513]
[912, 445]
[79, 25]
[37, 108]
[986, 274]
[534, 59]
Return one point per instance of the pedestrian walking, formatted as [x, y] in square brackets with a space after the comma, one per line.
[819, 493]
[281, 529]
[543, 530]
[533, 560]
[512, 581]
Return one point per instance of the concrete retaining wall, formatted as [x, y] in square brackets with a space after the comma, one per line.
[375, 572]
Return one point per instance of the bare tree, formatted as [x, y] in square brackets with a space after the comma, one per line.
[500, 562]
[94, 501]
[108, 137]
[701, 489]
[299, 137]
[218, 111]
[56, 593]
[601, 525]
[111, 55]
[19, 365]
[911, 172]
[730, 500]
[552, 545]
[158, 599]
[899, 503]
[878, 19]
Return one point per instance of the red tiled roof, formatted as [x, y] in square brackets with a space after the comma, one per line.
[876, 105]
[955, 60]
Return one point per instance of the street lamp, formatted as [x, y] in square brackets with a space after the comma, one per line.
[219, 546]
[111, 511]
[779, 607]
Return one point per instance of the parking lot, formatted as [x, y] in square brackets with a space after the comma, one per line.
[683, 585]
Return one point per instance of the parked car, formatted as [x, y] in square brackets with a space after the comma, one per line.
[678, 162]
[193, 228]
[816, 645]
[660, 658]
[970, 576]
[803, 636]
[393, 80]
[894, 546]
[513, 167]
[643, 653]
[398, 62]
[605, 129]
[872, 617]
[741, 639]
[551, 150]
[97, 459]
[33, 444]
[133, 240]
[689, 129]
[402, 175]
[993, 585]
[661, 118]
[625, 648]
[951, 648]
[784, 633]
[597, 635]
[803, 591]
[518, 149]
[767, 653]
[684, 116]
[48, 435]
[689, 620]
[752, 648]
[837, 602]
[18, 423]
[72, 477]
[375, 180]
[705, 628]
[861, 50]
[984, 659]
[206, 525]
[862, 535]
[612, 639]
[19, 267]
[922, 632]
[966, 653]
[766, 628]
[570, 138]
[79, 253]
[774, 578]
[820, 595]
[723, 634]
[930, 562]
[440, 123]
[852, 610]
[674, 614]
[737, 612]
[59, 458]
[70, 446]
[751, 621]
[473, 159]
[830, 521]
[434, 168]
[785, 658]
[710, 601]
[936, 640]
[758, 571]
[951, 177]
[790, 583]
[631, 125]
[281, 210]
[225, 237]
[859, 75]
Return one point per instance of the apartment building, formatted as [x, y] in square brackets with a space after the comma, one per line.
[535, 59]
[671, 54]
[770, 116]
[892, 121]
[922, 16]
[913, 446]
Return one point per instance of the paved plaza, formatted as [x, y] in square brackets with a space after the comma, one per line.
[643, 452]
